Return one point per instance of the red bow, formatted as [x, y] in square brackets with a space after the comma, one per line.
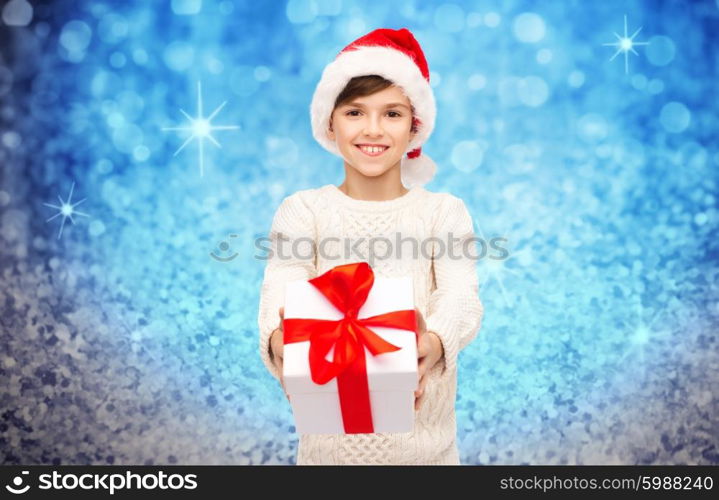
[347, 287]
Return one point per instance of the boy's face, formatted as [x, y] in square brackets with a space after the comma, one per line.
[383, 118]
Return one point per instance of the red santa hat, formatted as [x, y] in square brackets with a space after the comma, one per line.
[396, 56]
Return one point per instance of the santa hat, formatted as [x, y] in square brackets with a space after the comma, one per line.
[396, 56]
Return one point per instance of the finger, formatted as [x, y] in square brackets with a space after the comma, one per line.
[420, 387]
[421, 326]
[422, 384]
[422, 367]
[422, 346]
[277, 350]
[280, 349]
[282, 382]
[418, 402]
[279, 345]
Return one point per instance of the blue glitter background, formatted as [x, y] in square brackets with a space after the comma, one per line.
[125, 341]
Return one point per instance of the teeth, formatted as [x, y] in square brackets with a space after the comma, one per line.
[372, 150]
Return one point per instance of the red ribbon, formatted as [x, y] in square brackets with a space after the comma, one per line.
[347, 287]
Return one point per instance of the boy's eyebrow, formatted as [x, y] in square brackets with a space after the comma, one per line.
[389, 105]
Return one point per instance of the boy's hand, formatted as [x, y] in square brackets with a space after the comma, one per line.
[429, 352]
[277, 349]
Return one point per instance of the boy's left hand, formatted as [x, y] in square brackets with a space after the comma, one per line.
[429, 352]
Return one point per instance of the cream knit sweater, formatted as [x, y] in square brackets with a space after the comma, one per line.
[329, 228]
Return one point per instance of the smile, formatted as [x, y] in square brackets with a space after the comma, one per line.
[372, 151]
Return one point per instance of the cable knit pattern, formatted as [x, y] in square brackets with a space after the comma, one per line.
[329, 228]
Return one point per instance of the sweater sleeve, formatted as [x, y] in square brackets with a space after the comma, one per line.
[291, 257]
[455, 310]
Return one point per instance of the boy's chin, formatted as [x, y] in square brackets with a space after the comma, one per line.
[371, 170]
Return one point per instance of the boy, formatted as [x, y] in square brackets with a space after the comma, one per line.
[373, 105]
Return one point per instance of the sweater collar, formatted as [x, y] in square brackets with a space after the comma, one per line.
[373, 206]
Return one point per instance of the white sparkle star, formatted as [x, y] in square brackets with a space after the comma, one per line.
[625, 44]
[496, 269]
[201, 128]
[642, 337]
[66, 209]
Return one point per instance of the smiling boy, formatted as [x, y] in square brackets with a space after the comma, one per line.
[372, 134]
[374, 108]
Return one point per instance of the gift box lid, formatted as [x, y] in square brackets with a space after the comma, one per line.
[391, 371]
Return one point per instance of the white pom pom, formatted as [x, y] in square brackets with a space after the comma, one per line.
[417, 171]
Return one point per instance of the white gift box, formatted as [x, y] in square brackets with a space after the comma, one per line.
[392, 376]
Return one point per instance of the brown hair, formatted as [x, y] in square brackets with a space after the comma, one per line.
[360, 86]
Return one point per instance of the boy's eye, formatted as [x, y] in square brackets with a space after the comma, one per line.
[394, 113]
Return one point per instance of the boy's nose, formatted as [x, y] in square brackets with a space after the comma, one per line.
[373, 128]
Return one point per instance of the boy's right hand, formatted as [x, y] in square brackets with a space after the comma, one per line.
[277, 348]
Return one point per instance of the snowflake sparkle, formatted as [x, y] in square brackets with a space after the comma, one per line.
[625, 44]
[66, 209]
[201, 128]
